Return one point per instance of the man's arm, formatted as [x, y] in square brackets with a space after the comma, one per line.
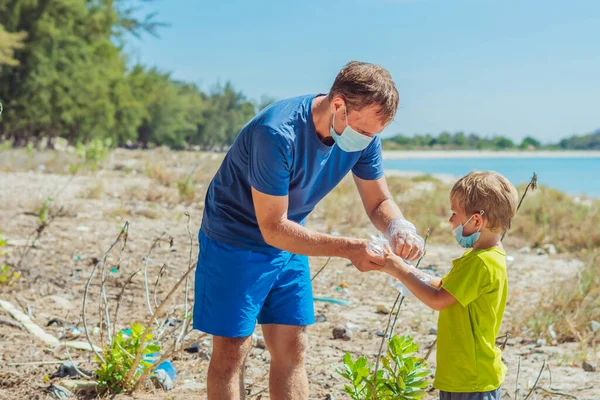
[378, 202]
[278, 231]
[382, 210]
[431, 293]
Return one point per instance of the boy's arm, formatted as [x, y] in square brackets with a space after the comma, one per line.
[431, 293]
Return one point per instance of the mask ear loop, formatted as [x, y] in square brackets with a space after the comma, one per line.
[481, 212]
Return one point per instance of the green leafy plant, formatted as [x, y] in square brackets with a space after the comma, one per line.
[403, 377]
[7, 275]
[91, 154]
[43, 211]
[119, 357]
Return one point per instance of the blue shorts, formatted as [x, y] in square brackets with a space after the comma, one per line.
[235, 287]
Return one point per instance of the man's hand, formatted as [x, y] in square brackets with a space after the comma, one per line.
[404, 240]
[363, 258]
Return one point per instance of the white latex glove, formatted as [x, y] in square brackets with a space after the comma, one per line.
[404, 240]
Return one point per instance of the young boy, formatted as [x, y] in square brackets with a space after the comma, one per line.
[471, 298]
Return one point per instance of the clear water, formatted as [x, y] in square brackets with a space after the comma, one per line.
[576, 176]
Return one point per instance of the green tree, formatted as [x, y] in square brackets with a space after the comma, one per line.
[227, 111]
[444, 139]
[530, 142]
[9, 43]
[502, 143]
[459, 140]
[71, 81]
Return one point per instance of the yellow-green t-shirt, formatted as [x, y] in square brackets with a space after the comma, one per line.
[467, 357]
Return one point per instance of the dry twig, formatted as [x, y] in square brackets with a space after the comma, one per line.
[146, 261]
[122, 237]
[536, 381]
[186, 317]
[120, 298]
[149, 325]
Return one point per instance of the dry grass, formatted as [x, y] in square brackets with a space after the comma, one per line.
[95, 192]
[151, 194]
[160, 173]
[550, 216]
[46, 161]
[569, 308]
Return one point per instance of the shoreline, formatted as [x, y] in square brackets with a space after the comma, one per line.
[439, 154]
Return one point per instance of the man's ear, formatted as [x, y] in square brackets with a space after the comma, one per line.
[337, 103]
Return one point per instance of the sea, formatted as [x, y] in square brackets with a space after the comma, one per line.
[577, 176]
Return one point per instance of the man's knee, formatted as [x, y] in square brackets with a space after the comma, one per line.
[290, 348]
[229, 354]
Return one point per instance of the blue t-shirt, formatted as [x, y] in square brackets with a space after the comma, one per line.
[279, 153]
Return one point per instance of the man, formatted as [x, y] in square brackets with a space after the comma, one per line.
[253, 262]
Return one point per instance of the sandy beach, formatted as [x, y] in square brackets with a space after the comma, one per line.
[420, 154]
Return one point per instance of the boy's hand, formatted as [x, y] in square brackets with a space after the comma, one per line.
[404, 239]
[391, 262]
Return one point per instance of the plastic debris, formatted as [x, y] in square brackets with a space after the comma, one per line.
[169, 368]
[353, 327]
[58, 392]
[525, 250]
[378, 244]
[552, 331]
[399, 286]
[70, 332]
[550, 249]
[69, 369]
[320, 318]
[330, 300]
[162, 380]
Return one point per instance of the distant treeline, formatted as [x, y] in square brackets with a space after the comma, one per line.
[462, 141]
[63, 73]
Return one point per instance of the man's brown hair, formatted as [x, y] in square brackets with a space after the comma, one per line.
[488, 191]
[362, 84]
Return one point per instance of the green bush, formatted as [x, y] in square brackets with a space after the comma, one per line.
[404, 375]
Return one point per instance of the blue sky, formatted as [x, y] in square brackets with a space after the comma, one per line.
[503, 67]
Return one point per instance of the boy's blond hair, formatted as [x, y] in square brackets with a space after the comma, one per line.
[488, 191]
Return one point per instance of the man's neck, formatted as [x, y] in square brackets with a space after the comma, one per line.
[321, 115]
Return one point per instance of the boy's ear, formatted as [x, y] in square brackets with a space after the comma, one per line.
[480, 221]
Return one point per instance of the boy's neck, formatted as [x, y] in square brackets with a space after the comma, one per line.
[487, 240]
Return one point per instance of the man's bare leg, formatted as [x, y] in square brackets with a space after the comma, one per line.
[287, 345]
[226, 369]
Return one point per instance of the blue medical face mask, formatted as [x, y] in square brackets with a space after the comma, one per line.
[349, 140]
[466, 241]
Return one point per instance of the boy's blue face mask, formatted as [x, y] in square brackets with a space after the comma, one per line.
[466, 241]
[349, 140]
